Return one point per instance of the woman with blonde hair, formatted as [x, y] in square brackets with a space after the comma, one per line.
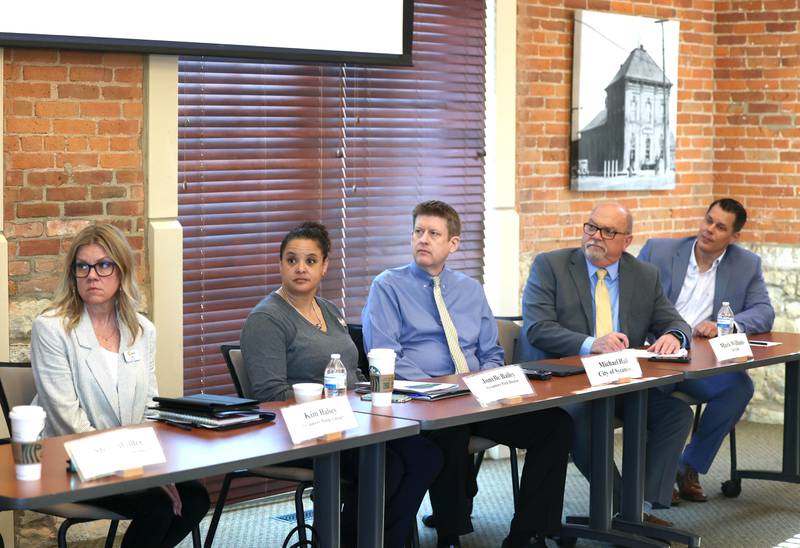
[93, 358]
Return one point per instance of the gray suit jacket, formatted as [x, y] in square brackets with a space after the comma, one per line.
[739, 280]
[557, 305]
[74, 388]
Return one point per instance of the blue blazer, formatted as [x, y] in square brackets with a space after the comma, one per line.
[739, 280]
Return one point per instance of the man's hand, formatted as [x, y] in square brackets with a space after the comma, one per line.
[707, 329]
[175, 497]
[613, 342]
[666, 344]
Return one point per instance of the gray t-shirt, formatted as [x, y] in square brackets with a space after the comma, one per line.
[280, 348]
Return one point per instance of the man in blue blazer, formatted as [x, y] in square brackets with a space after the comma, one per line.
[560, 318]
[698, 274]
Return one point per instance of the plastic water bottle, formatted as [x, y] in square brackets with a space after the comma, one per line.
[725, 319]
[335, 377]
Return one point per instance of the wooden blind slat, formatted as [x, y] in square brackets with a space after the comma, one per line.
[265, 146]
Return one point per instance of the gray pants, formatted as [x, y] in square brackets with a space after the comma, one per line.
[668, 423]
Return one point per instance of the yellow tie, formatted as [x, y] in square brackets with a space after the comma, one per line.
[602, 303]
[450, 332]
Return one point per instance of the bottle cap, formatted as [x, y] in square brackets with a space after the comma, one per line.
[336, 356]
[725, 303]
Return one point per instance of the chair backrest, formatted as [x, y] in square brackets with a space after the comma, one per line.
[16, 387]
[507, 335]
[357, 334]
[233, 358]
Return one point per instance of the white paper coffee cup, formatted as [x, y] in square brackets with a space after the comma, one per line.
[307, 391]
[27, 425]
[383, 359]
[381, 373]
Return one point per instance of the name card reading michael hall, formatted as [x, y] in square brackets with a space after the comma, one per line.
[611, 367]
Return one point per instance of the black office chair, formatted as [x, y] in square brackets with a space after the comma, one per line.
[304, 477]
[17, 388]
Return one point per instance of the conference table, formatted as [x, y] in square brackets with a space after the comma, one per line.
[704, 364]
[558, 391]
[200, 452]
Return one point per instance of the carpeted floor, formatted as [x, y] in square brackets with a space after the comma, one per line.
[767, 514]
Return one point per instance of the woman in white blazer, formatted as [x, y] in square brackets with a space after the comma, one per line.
[93, 359]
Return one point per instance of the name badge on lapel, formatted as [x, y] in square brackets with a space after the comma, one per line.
[130, 356]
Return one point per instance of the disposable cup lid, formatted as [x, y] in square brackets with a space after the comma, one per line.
[381, 353]
[27, 412]
[307, 387]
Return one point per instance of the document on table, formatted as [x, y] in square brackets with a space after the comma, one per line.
[642, 353]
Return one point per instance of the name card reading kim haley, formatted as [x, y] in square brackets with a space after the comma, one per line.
[498, 384]
[306, 421]
[111, 452]
[611, 367]
[728, 347]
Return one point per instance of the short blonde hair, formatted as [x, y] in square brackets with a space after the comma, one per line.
[68, 303]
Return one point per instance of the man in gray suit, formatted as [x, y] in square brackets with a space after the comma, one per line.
[698, 274]
[561, 318]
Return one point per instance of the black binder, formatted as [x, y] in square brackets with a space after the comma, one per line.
[211, 404]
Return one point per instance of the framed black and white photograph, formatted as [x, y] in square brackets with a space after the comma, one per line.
[624, 102]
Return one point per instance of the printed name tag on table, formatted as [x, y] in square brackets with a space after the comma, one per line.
[611, 367]
[310, 420]
[498, 384]
[728, 347]
[110, 452]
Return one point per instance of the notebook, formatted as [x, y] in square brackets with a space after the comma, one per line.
[557, 369]
[206, 403]
[217, 423]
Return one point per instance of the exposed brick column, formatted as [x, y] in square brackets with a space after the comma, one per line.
[73, 155]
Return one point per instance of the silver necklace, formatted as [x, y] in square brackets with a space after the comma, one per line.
[288, 299]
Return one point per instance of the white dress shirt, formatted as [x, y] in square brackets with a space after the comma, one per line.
[696, 299]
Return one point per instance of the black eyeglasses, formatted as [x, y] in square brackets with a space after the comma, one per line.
[605, 232]
[102, 268]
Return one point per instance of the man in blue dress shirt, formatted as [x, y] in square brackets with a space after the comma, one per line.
[459, 334]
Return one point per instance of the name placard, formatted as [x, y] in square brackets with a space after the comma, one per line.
[611, 367]
[306, 421]
[111, 452]
[728, 347]
[498, 384]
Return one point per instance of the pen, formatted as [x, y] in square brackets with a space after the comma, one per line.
[759, 343]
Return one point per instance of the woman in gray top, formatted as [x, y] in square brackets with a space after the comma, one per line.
[289, 337]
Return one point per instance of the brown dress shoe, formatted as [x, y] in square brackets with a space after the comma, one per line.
[689, 485]
[676, 497]
[650, 519]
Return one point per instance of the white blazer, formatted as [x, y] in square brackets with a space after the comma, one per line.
[74, 388]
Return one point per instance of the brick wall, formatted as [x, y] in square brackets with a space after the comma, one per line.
[757, 106]
[73, 155]
[737, 129]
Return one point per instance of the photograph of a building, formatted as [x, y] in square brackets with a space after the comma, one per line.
[624, 102]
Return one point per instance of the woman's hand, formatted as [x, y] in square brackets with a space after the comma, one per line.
[175, 497]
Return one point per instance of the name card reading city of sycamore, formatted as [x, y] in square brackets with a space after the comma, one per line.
[498, 383]
[611, 367]
[111, 452]
[317, 418]
[728, 347]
